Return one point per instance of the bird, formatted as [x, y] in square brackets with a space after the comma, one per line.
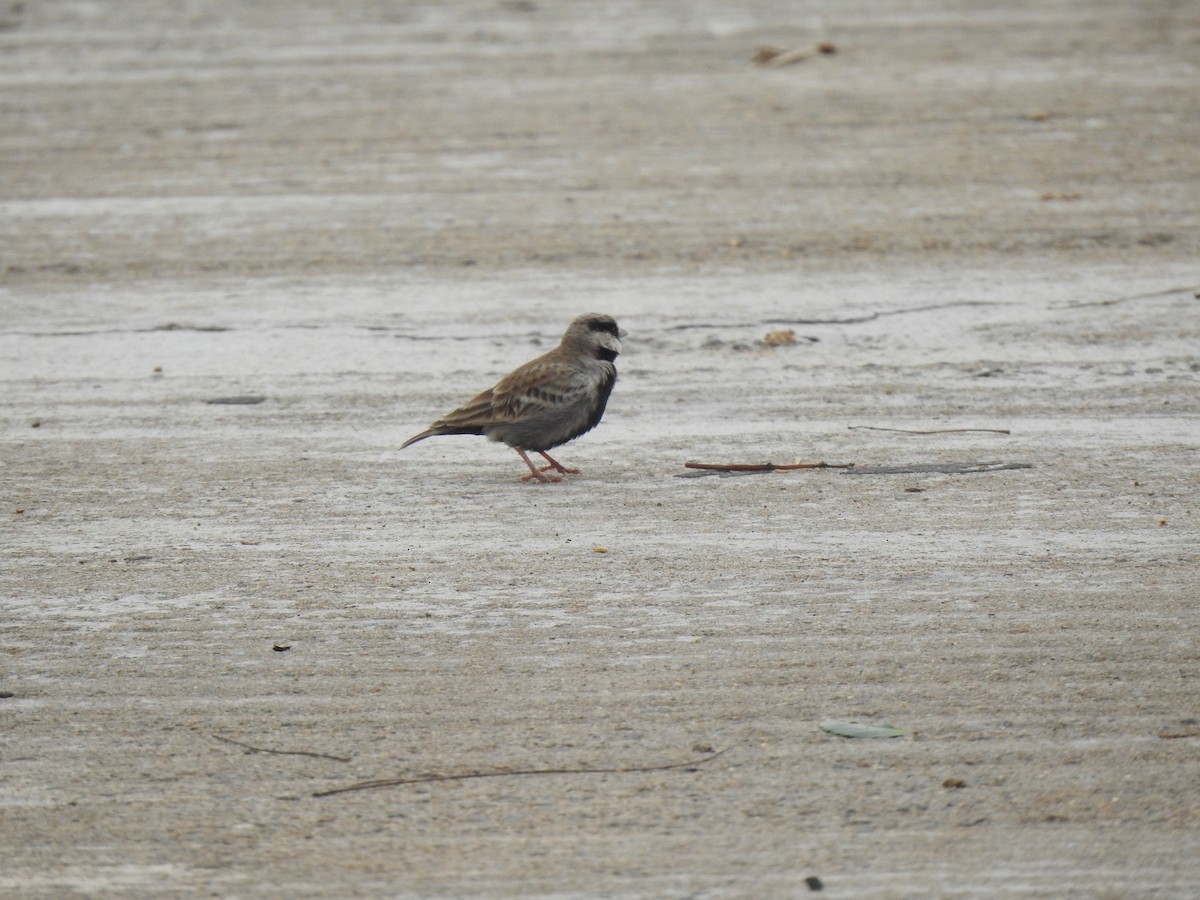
[547, 401]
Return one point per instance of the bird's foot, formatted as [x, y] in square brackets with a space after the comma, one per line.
[545, 479]
[557, 468]
[556, 465]
[534, 471]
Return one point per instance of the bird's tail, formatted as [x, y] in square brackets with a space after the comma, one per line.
[419, 437]
[440, 428]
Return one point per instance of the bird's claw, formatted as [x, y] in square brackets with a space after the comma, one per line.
[545, 479]
[557, 468]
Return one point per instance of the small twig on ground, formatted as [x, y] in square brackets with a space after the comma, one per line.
[764, 467]
[254, 749]
[464, 776]
[933, 431]
[1115, 300]
[852, 320]
[774, 56]
[952, 468]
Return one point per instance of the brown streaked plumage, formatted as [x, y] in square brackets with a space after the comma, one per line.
[546, 402]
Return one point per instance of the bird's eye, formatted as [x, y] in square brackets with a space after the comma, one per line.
[605, 325]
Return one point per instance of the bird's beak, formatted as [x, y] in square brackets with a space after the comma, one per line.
[622, 333]
[608, 342]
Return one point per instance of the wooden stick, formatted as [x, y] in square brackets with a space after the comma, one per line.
[934, 431]
[463, 776]
[283, 752]
[773, 56]
[852, 320]
[764, 467]
[1115, 300]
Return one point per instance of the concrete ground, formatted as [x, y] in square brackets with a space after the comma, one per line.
[247, 249]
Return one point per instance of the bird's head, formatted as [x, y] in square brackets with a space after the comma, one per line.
[595, 334]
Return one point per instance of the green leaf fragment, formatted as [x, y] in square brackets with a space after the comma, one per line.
[860, 730]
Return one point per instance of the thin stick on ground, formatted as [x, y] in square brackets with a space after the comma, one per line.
[931, 431]
[1195, 289]
[464, 776]
[764, 467]
[773, 56]
[852, 320]
[254, 749]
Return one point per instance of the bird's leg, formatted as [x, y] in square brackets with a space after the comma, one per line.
[555, 465]
[533, 469]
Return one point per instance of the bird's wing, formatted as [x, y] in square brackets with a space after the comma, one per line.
[477, 412]
[543, 385]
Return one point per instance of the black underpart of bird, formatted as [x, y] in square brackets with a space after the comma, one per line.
[546, 402]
